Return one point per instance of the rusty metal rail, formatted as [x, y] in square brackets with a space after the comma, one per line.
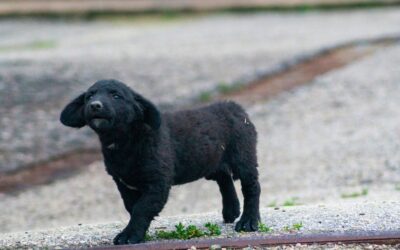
[371, 237]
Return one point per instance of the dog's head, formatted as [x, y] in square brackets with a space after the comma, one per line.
[110, 105]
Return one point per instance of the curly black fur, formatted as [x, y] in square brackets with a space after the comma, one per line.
[147, 152]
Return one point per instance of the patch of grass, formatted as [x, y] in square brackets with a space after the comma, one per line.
[43, 44]
[291, 202]
[146, 19]
[397, 187]
[221, 89]
[213, 229]
[294, 227]
[224, 88]
[148, 237]
[205, 96]
[264, 228]
[297, 226]
[287, 203]
[363, 192]
[184, 233]
[35, 45]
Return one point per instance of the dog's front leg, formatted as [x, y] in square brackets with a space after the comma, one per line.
[149, 205]
[128, 195]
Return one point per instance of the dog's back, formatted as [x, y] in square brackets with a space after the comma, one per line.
[207, 140]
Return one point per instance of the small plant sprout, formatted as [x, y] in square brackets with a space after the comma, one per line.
[295, 227]
[291, 202]
[363, 192]
[148, 237]
[272, 204]
[205, 96]
[224, 88]
[263, 228]
[213, 229]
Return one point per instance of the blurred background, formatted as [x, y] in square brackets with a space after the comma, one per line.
[319, 78]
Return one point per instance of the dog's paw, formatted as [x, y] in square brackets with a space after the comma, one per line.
[247, 224]
[230, 213]
[121, 238]
[124, 238]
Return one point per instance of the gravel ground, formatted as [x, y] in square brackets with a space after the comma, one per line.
[347, 217]
[46, 63]
[335, 136]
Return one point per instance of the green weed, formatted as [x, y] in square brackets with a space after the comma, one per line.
[263, 228]
[35, 45]
[205, 96]
[363, 192]
[44, 44]
[224, 88]
[213, 229]
[294, 227]
[291, 202]
[297, 226]
[183, 233]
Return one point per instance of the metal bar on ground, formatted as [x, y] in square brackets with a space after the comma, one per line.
[371, 237]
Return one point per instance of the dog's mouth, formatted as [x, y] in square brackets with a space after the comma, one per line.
[100, 122]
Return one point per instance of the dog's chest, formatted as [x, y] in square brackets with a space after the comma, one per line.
[125, 169]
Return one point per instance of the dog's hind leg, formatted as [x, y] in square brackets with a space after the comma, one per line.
[243, 160]
[230, 201]
[251, 193]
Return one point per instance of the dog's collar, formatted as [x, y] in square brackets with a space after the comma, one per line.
[128, 186]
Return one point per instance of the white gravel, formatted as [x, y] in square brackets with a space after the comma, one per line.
[349, 217]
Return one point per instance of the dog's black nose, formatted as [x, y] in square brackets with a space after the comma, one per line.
[96, 105]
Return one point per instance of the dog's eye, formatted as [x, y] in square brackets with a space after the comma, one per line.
[116, 96]
[89, 97]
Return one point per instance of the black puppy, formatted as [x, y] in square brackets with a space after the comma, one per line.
[147, 152]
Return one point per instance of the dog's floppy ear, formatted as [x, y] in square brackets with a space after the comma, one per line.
[151, 115]
[72, 115]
